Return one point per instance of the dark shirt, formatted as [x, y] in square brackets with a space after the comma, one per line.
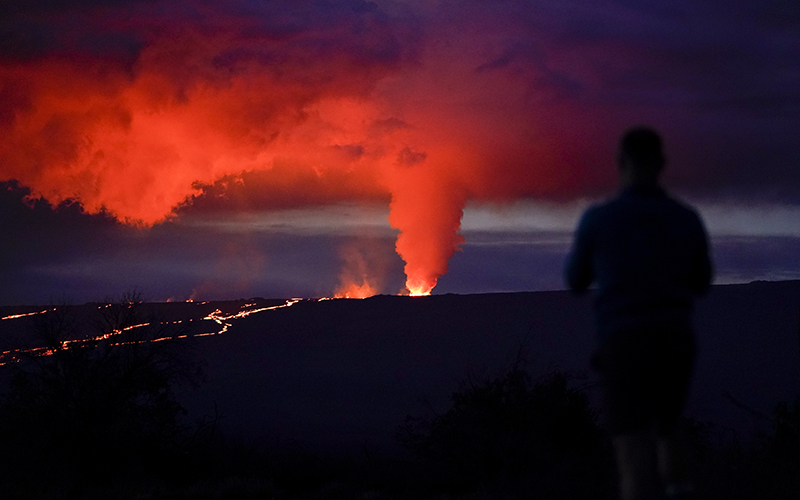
[647, 254]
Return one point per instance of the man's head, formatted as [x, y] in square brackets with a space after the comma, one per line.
[639, 157]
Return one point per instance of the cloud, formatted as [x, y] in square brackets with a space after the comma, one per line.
[148, 109]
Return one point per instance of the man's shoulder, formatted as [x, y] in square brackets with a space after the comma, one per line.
[594, 212]
[656, 199]
[629, 204]
[683, 208]
[604, 209]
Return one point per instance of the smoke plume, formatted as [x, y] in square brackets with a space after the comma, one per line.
[143, 109]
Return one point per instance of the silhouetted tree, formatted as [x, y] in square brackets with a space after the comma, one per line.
[785, 440]
[101, 404]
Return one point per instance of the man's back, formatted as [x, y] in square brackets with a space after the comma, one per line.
[648, 255]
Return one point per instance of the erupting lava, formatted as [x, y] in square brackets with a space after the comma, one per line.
[418, 288]
[354, 291]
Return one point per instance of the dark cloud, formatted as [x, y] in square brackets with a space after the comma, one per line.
[34, 231]
[33, 30]
[52, 254]
[275, 190]
[719, 79]
[408, 157]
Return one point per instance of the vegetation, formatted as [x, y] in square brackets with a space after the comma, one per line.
[767, 468]
[511, 435]
[99, 409]
[99, 418]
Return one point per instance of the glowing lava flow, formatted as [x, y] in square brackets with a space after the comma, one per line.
[218, 317]
[15, 316]
[14, 355]
[221, 319]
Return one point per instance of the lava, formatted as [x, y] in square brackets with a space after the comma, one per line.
[354, 291]
[224, 321]
[419, 289]
[15, 316]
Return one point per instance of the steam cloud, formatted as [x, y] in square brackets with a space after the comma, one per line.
[139, 108]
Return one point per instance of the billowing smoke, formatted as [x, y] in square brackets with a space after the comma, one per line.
[142, 109]
[220, 95]
[363, 270]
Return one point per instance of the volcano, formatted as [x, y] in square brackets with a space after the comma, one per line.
[342, 373]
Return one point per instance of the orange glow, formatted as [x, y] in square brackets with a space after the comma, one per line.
[354, 291]
[15, 316]
[223, 320]
[424, 129]
[419, 289]
[362, 271]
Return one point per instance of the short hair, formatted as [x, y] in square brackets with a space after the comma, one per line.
[642, 146]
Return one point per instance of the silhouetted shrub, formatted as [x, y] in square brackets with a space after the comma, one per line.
[98, 407]
[510, 434]
[767, 466]
[785, 440]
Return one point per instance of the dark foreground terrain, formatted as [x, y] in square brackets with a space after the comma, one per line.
[475, 396]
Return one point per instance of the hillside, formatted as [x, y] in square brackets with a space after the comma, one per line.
[344, 373]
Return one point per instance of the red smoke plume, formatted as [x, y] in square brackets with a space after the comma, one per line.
[362, 273]
[355, 107]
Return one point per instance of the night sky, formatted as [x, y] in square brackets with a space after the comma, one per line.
[307, 148]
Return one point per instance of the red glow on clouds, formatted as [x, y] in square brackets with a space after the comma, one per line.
[356, 111]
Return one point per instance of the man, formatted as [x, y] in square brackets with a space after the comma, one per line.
[648, 256]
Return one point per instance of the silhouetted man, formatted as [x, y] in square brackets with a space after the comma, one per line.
[648, 256]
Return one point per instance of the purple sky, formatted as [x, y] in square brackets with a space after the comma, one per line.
[278, 149]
